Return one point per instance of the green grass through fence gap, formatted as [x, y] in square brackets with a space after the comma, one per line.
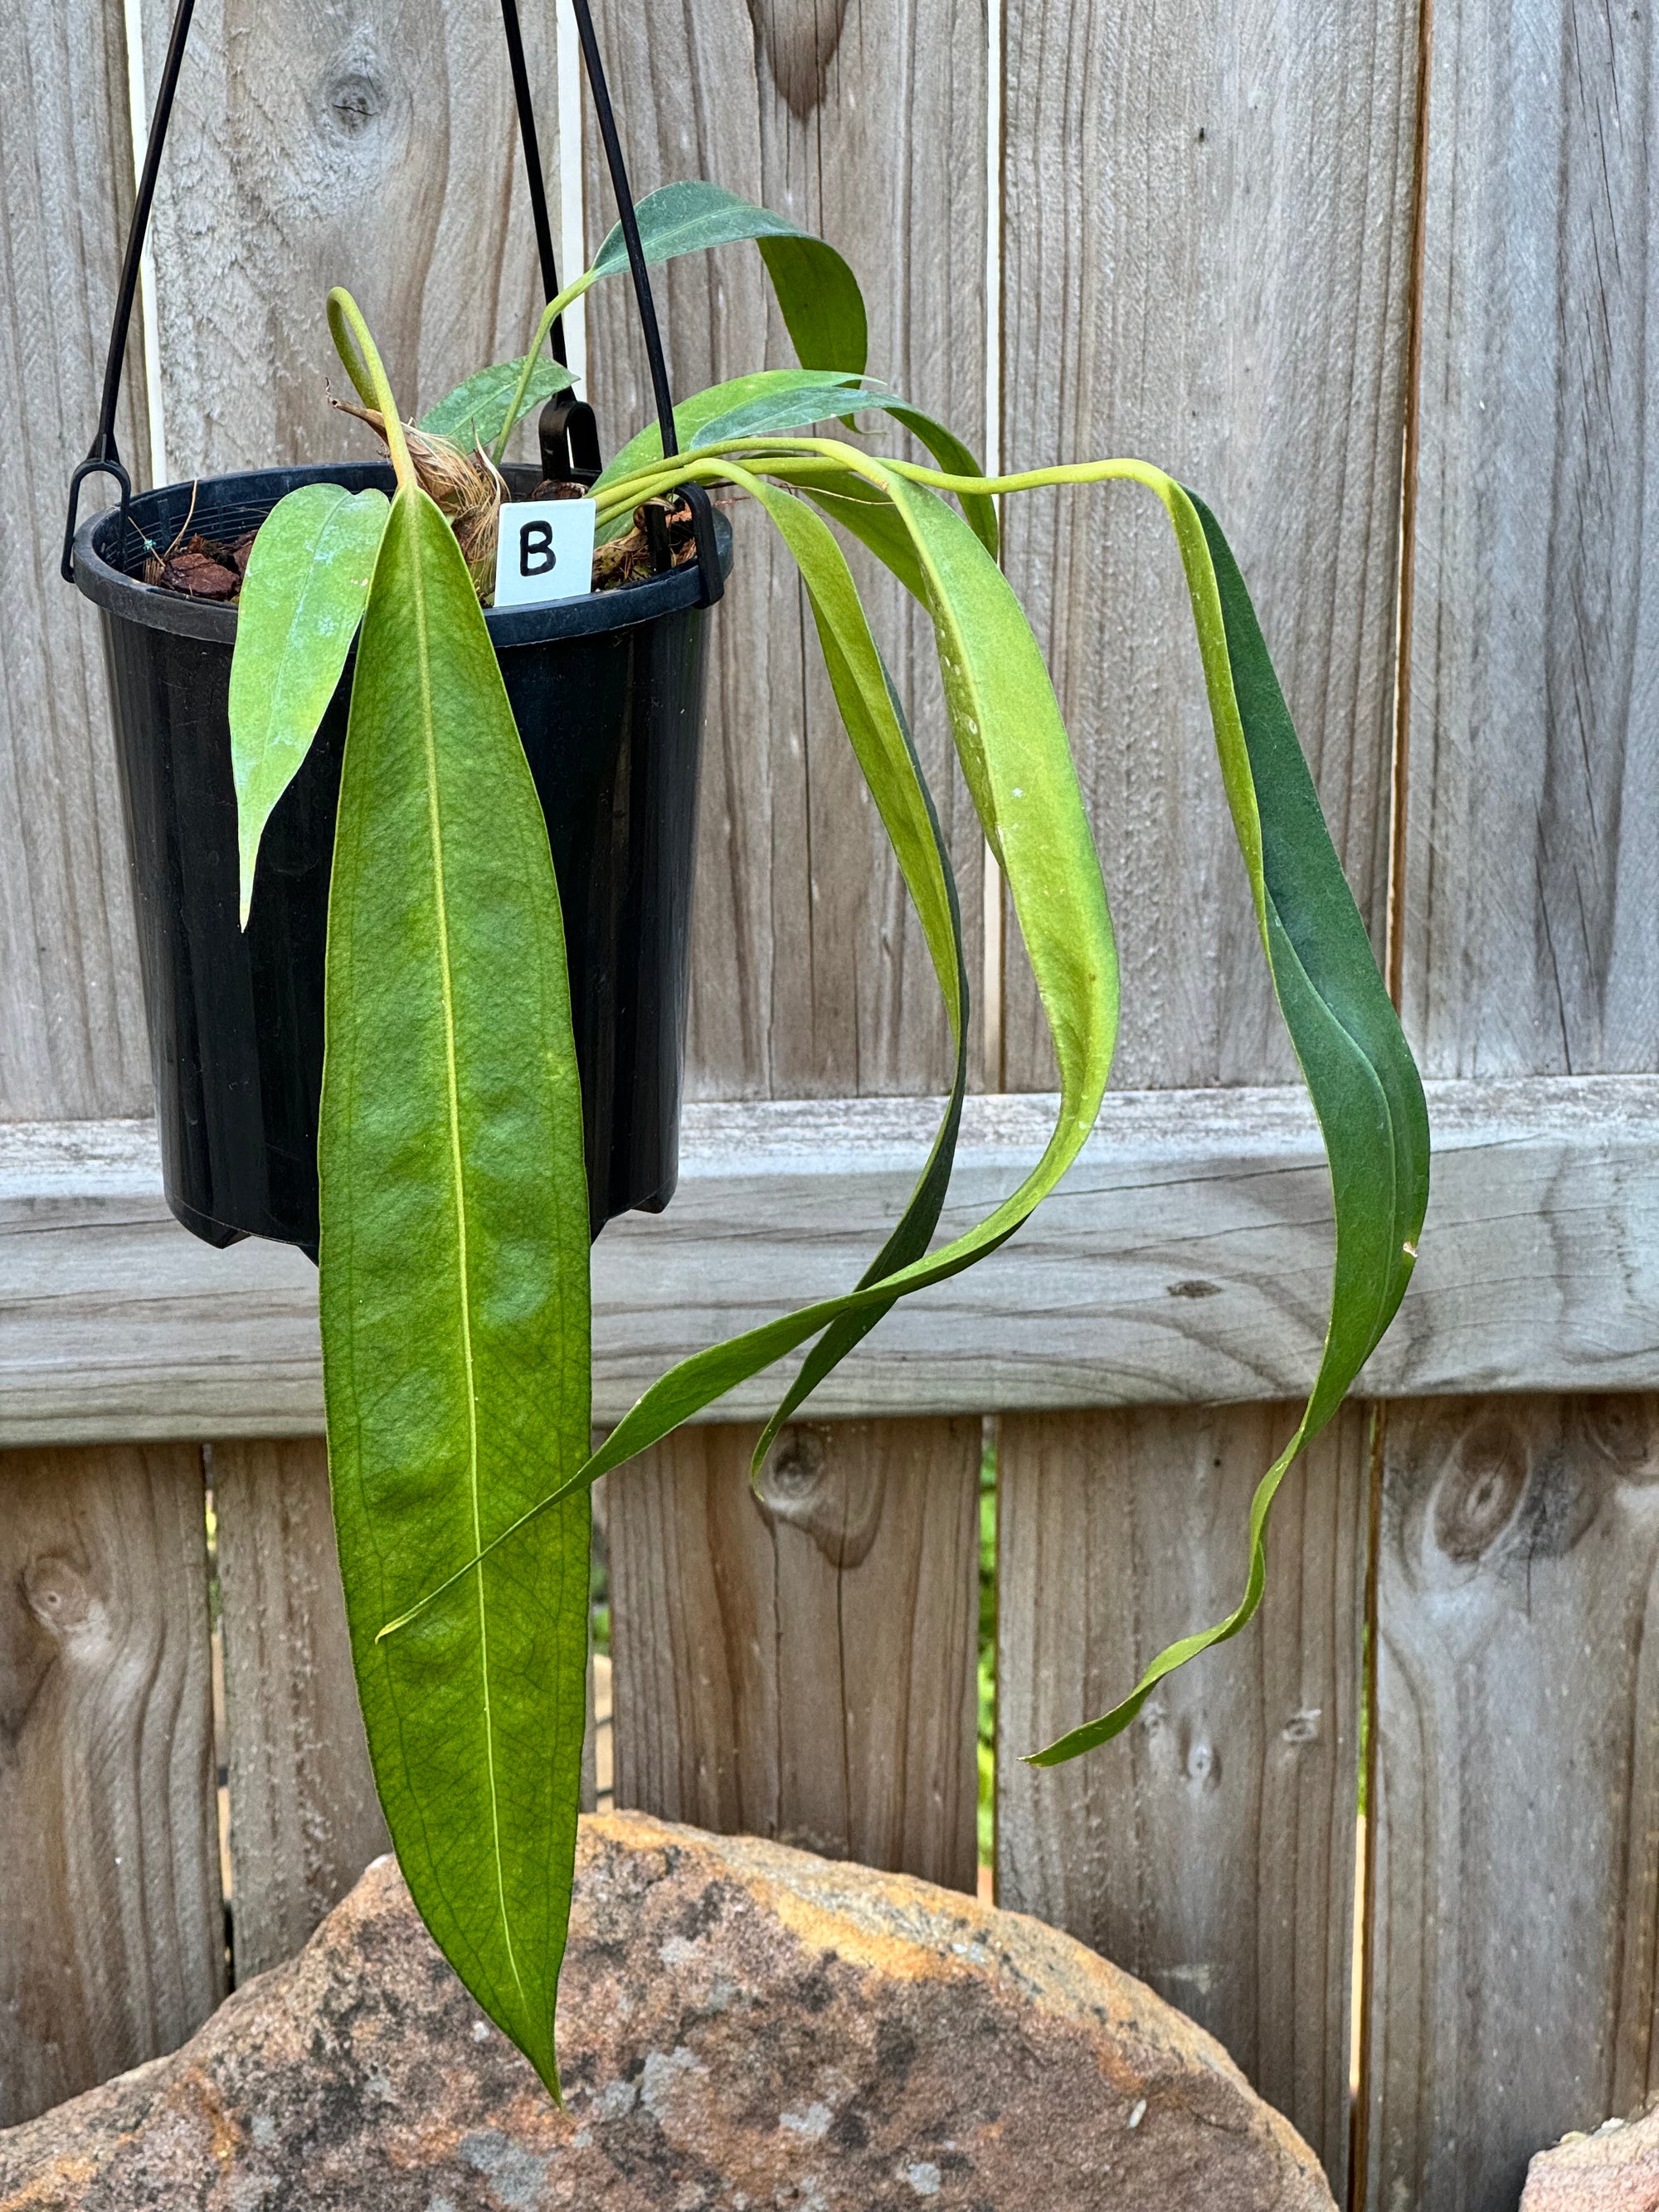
[987, 1645]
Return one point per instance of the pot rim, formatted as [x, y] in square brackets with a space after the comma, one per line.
[132, 600]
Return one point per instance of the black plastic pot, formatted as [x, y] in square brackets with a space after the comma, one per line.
[608, 694]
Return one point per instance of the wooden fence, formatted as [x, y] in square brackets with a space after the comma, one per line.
[1378, 286]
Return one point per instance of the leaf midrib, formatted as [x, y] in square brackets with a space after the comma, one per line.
[434, 829]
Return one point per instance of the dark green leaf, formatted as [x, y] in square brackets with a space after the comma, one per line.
[474, 413]
[454, 1281]
[302, 601]
[819, 300]
[818, 294]
[1359, 1071]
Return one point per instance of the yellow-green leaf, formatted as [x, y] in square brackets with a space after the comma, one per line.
[454, 1256]
[302, 598]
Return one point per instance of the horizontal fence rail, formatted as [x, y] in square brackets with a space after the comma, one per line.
[1186, 1257]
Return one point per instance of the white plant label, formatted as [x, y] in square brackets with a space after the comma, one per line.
[544, 552]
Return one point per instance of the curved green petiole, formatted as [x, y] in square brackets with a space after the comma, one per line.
[517, 404]
[361, 359]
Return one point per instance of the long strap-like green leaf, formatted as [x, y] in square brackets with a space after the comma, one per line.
[1026, 787]
[1358, 1068]
[1359, 1071]
[886, 753]
[454, 1292]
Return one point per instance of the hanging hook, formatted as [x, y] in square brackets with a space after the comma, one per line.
[702, 514]
[567, 425]
[568, 435]
[102, 458]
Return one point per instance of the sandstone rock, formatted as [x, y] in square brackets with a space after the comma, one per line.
[742, 2026]
[1614, 2170]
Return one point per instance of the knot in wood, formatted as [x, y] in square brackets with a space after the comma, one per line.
[1480, 1491]
[834, 1497]
[355, 97]
[1201, 1762]
[798, 39]
[1624, 1431]
[61, 1596]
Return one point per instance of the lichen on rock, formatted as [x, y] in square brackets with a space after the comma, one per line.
[742, 2026]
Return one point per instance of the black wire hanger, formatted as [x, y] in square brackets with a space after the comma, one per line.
[569, 437]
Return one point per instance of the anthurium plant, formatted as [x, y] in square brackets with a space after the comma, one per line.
[454, 1247]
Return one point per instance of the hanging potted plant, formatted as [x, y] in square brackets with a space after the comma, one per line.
[480, 1113]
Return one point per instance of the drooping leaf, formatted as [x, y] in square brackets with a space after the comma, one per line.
[1017, 761]
[819, 300]
[454, 1297]
[816, 293]
[1358, 1069]
[302, 598]
[476, 413]
[875, 722]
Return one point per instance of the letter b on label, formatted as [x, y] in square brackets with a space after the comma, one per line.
[536, 553]
[543, 551]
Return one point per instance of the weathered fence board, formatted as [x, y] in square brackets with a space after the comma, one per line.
[1205, 256]
[1211, 1848]
[802, 1665]
[372, 145]
[304, 1818]
[1532, 796]
[1516, 1889]
[1518, 1858]
[864, 119]
[1188, 1253]
[71, 1022]
[1205, 251]
[112, 1923]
